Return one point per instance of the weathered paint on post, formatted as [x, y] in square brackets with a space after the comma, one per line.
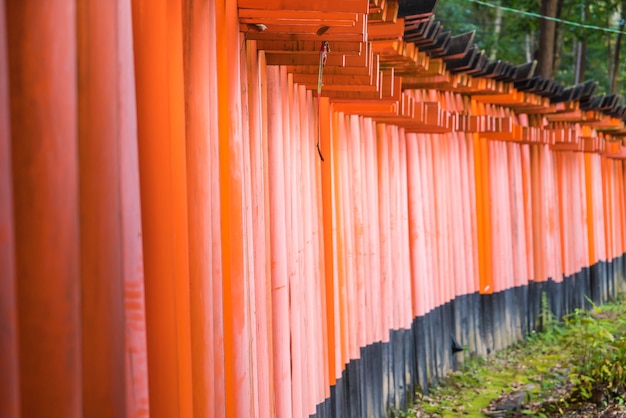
[158, 42]
[43, 104]
[9, 358]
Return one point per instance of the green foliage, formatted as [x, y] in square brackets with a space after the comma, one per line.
[517, 39]
[599, 353]
[546, 317]
[561, 369]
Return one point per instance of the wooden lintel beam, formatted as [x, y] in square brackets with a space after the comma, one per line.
[297, 15]
[533, 109]
[370, 70]
[314, 22]
[353, 95]
[386, 31]
[500, 99]
[330, 80]
[365, 108]
[564, 146]
[311, 35]
[359, 26]
[343, 6]
[303, 58]
[329, 90]
[572, 116]
[345, 48]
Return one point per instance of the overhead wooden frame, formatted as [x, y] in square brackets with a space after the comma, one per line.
[290, 20]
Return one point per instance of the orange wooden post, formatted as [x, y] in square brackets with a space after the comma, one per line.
[473, 203]
[527, 207]
[385, 244]
[9, 360]
[137, 396]
[308, 212]
[620, 205]
[483, 215]
[430, 283]
[554, 225]
[343, 223]
[216, 222]
[266, 189]
[416, 226]
[257, 99]
[441, 181]
[201, 140]
[158, 43]
[367, 190]
[382, 154]
[316, 334]
[101, 144]
[588, 173]
[339, 275]
[451, 218]
[236, 297]
[239, 397]
[355, 195]
[280, 278]
[508, 187]
[608, 218]
[535, 209]
[600, 202]
[247, 288]
[407, 300]
[42, 69]
[294, 233]
[323, 326]
[583, 250]
[469, 218]
[564, 201]
[372, 205]
[519, 219]
[456, 215]
[324, 119]
[612, 229]
[439, 285]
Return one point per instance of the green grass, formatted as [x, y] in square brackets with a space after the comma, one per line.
[562, 366]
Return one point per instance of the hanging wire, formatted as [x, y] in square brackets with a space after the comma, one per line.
[540, 16]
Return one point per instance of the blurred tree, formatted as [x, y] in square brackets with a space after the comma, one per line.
[547, 39]
[569, 53]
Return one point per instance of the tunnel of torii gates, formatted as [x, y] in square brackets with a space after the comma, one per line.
[173, 245]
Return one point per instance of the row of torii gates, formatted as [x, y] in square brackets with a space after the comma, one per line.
[172, 245]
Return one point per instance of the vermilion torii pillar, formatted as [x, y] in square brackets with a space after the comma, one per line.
[42, 68]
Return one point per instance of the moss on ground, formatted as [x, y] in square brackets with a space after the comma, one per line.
[542, 375]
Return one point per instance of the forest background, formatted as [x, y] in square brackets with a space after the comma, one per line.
[580, 40]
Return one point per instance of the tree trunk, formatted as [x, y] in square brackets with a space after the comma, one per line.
[547, 28]
[496, 29]
[618, 44]
[558, 37]
[581, 52]
[528, 47]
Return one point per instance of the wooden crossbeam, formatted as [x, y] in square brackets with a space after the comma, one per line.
[368, 70]
[297, 16]
[366, 108]
[331, 35]
[356, 81]
[313, 22]
[303, 58]
[385, 31]
[344, 6]
[346, 48]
